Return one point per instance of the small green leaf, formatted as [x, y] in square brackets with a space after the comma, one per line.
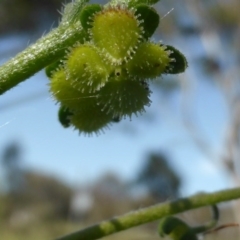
[87, 13]
[64, 116]
[176, 229]
[178, 63]
[50, 69]
[150, 19]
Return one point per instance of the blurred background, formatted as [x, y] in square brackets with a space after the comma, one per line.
[55, 180]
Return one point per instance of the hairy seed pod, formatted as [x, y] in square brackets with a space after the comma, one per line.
[116, 32]
[63, 91]
[85, 69]
[87, 114]
[149, 61]
[124, 97]
[91, 120]
[69, 96]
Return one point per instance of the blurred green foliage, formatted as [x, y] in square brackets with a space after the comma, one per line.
[28, 15]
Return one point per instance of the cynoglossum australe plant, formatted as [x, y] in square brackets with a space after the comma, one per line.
[98, 91]
[114, 64]
[102, 63]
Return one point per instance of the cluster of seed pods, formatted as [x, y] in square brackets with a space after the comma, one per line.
[106, 77]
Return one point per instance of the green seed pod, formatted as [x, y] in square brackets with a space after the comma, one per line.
[123, 97]
[150, 61]
[83, 109]
[63, 91]
[149, 19]
[69, 96]
[87, 13]
[85, 69]
[91, 120]
[176, 229]
[179, 64]
[117, 33]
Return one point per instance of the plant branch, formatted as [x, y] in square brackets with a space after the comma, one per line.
[152, 213]
[39, 55]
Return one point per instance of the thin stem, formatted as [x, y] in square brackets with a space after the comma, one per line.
[209, 225]
[152, 213]
[39, 55]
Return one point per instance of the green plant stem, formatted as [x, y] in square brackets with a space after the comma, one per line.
[39, 55]
[152, 213]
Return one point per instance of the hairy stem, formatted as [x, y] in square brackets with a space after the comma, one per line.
[45, 51]
[152, 213]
